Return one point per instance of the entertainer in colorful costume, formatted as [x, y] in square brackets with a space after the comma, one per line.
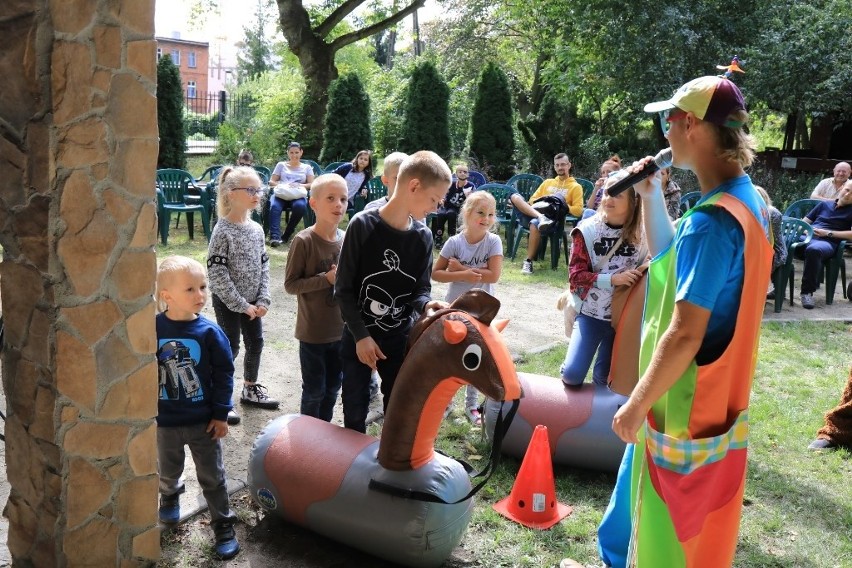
[678, 497]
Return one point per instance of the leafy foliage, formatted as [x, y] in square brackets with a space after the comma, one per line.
[426, 125]
[800, 57]
[492, 139]
[255, 55]
[347, 121]
[170, 115]
[271, 122]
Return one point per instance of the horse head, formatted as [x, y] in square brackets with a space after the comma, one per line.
[448, 348]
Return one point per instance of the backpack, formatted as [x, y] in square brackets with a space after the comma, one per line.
[554, 208]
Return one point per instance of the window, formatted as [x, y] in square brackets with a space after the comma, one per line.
[159, 53]
[176, 57]
[191, 59]
[190, 89]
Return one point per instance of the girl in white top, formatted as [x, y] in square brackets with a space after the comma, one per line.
[297, 176]
[471, 259]
[606, 251]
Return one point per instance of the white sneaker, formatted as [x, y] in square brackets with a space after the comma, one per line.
[255, 395]
[527, 267]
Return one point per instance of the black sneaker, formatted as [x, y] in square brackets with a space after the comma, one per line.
[225, 541]
[275, 243]
[255, 395]
[233, 418]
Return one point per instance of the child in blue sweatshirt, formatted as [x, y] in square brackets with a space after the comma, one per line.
[196, 375]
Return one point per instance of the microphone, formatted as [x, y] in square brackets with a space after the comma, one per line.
[661, 161]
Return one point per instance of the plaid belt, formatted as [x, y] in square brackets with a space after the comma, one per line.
[685, 456]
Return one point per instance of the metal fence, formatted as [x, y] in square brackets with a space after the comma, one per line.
[204, 112]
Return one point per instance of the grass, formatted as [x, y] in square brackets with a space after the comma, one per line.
[798, 504]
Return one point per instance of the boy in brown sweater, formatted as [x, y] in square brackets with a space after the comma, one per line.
[310, 275]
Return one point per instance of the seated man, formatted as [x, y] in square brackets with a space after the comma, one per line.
[832, 222]
[530, 217]
[828, 188]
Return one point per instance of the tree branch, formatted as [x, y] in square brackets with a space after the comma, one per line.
[357, 35]
[336, 17]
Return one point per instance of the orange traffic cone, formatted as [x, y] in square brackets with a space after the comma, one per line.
[532, 501]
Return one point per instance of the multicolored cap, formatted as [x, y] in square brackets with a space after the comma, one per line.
[710, 98]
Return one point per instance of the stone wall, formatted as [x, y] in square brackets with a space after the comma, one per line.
[78, 151]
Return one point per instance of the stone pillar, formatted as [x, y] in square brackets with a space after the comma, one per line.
[78, 151]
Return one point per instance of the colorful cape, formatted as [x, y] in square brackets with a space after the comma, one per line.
[678, 496]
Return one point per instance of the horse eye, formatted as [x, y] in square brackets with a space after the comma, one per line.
[472, 357]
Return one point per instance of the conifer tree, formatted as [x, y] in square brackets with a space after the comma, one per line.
[170, 116]
[347, 120]
[427, 107]
[492, 140]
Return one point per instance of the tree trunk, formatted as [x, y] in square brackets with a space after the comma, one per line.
[789, 132]
[316, 56]
[319, 71]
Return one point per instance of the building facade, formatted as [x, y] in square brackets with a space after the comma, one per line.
[193, 60]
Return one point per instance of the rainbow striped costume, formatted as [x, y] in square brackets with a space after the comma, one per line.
[678, 497]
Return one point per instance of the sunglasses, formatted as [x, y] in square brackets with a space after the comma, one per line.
[251, 190]
[668, 116]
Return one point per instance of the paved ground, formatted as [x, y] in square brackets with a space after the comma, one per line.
[534, 324]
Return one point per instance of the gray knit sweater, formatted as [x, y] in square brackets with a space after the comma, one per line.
[238, 266]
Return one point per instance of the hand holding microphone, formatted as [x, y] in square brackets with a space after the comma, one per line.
[662, 160]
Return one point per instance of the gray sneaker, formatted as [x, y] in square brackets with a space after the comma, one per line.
[808, 301]
[527, 268]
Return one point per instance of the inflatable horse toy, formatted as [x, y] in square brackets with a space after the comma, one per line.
[579, 418]
[395, 498]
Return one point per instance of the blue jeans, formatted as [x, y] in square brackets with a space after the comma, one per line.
[322, 373]
[356, 377]
[590, 336]
[233, 323]
[297, 209]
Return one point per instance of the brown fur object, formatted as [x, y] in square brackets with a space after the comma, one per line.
[838, 420]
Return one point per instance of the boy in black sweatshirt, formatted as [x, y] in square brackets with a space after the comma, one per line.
[383, 281]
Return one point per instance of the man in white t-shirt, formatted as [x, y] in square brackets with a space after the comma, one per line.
[827, 189]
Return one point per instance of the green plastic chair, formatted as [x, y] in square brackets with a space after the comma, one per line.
[314, 166]
[798, 209]
[375, 190]
[175, 195]
[505, 211]
[476, 178]
[332, 166]
[835, 266]
[588, 188]
[264, 173]
[208, 177]
[525, 183]
[792, 231]
[519, 231]
[688, 201]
